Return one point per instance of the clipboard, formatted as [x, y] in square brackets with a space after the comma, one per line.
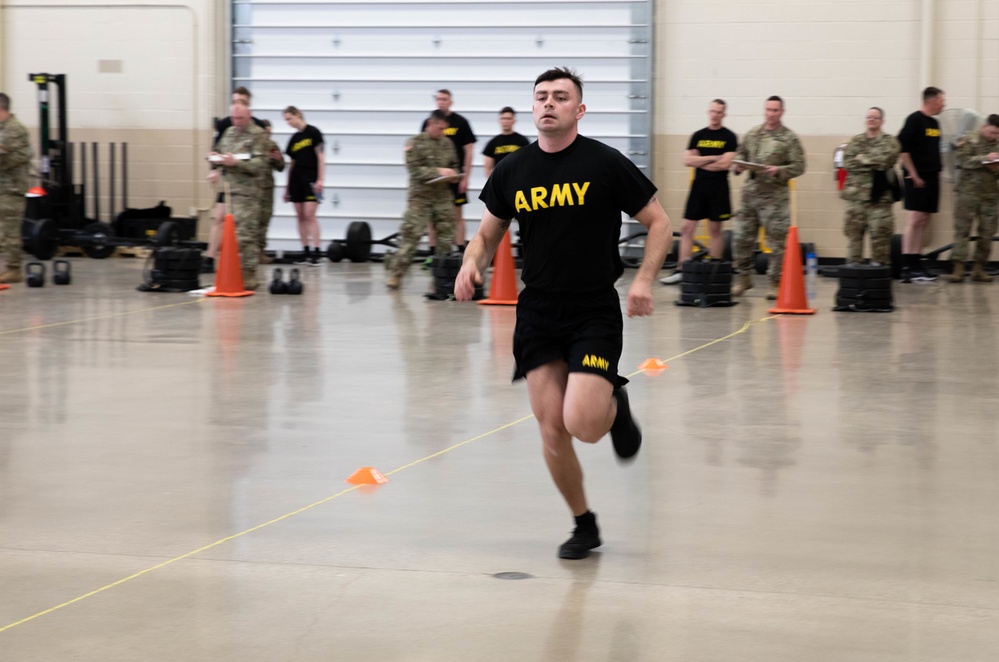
[749, 165]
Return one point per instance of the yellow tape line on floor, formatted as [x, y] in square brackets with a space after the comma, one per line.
[745, 327]
[98, 317]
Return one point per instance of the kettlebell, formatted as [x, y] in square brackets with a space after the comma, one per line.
[60, 273]
[294, 284]
[278, 286]
[36, 274]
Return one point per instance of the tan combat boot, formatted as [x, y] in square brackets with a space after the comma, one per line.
[957, 275]
[11, 276]
[250, 279]
[742, 283]
[773, 292]
[979, 275]
[265, 258]
[393, 282]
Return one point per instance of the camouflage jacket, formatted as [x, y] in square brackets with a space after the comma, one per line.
[779, 147]
[15, 157]
[977, 179]
[244, 177]
[267, 179]
[862, 157]
[424, 155]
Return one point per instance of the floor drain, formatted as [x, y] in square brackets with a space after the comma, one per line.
[513, 575]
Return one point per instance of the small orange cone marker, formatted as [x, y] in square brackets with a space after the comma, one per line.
[229, 282]
[791, 297]
[652, 364]
[503, 289]
[367, 476]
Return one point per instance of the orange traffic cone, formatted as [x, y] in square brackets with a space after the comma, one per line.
[367, 476]
[503, 289]
[229, 281]
[791, 297]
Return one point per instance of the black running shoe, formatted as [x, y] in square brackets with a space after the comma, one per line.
[580, 544]
[625, 433]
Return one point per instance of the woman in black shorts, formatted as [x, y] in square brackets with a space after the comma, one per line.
[305, 180]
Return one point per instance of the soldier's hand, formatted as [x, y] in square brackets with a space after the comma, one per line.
[466, 281]
[771, 171]
[640, 299]
[213, 177]
[918, 181]
[229, 160]
[993, 156]
[449, 173]
[275, 154]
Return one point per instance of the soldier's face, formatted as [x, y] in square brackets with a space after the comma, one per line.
[990, 133]
[716, 113]
[435, 129]
[557, 106]
[937, 104]
[443, 102]
[773, 111]
[506, 121]
[294, 121]
[873, 120]
[240, 117]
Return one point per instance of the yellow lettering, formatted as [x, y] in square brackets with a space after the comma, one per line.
[933, 133]
[538, 194]
[301, 144]
[586, 361]
[451, 131]
[591, 361]
[520, 202]
[561, 196]
[506, 149]
[711, 144]
[581, 192]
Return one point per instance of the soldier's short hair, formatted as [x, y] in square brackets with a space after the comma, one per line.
[931, 93]
[880, 112]
[993, 120]
[291, 110]
[720, 102]
[243, 91]
[447, 92]
[439, 116]
[507, 109]
[240, 102]
[776, 98]
[4, 101]
[560, 73]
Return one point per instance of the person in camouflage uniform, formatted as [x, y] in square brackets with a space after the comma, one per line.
[867, 159]
[976, 194]
[429, 156]
[765, 198]
[243, 178]
[276, 161]
[15, 156]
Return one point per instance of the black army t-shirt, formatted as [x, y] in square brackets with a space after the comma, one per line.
[920, 137]
[302, 148]
[712, 142]
[503, 145]
[568, 205]
[460, 133]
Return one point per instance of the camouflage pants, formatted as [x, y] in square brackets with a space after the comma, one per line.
[266, 211]
[966, 209]
[864, 217]
[774, 214]
[246, 211]
[439, 214]
[11, 215]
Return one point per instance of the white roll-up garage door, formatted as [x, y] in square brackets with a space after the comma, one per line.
[365, 73]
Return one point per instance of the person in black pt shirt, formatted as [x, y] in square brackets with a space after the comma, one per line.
[305, 181]
[920, 158]
[710, 152]
[460, 133]
[568, 192]
[238, 94]
[506, 143]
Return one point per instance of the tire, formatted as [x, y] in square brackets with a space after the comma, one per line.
[863, 295]
[699, 280]
[864, 272]
[358, 246]
[167, 234]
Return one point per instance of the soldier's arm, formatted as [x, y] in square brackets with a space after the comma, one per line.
[742, 154]
[966, 156]
[886, 157]
[419, 162]
[278, 163]
[853, 160]
[16, 151]
[258, 162]
[795, 167]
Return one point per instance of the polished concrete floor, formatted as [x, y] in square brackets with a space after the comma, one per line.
[172, 481]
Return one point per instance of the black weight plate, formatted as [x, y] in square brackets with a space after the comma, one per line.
[687, 288]
[866, 283]
[706, 267]
[180, 284]
[863, 295]
[864, 271]
[95, 246]
[700, 279]
[167, 234]
[358, 246]
[44, 239]
[864, 305]
[335, 251]
[448, 260]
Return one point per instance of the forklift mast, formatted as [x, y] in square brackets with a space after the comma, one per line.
[55, 155]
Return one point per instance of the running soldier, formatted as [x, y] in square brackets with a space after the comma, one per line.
[976, 195]
[433, 167]
[15, 155]
[869, 161]
[765, 197]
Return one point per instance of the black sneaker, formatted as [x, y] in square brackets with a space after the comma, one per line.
[625, 433]
[207, 265]
[906, 275]
[580, 544]
[922, 277]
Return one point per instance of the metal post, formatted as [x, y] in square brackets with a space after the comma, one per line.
[111, 178]
[124, 176]
[97, 184]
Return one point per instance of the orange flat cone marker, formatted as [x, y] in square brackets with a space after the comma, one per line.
[503, 289]
[652, 364]
[229, 281]
[367, 476]
[791, 297]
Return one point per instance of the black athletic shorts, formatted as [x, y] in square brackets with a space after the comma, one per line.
[459, 198]
[924, 199]
[300, 187]
[709, 199]
[585, 331]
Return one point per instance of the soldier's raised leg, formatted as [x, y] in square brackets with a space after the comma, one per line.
[412, 227]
